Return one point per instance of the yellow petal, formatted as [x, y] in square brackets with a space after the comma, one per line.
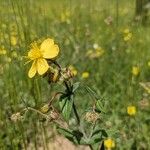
[32, 70]
[49, 49]
[31, 54]
[42, 66]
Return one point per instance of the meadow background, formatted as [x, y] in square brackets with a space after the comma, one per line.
[107, 49]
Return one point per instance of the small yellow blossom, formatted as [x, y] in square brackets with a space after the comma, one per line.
[85, 75]
[99, 52]
[148, 63]
[96, 53]
[3, 51]
[131, 110]
[127, 35]
[73, 70]
[109, 143]
[65, 16]
[135, 70]
[39, 56]
[13, 40]
[44, 109]
[126, 31]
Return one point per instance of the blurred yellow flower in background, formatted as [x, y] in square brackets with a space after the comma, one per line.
[148, 63]
[3, 51]
[85, 75]
[126, 31]
[135, 70]
[127, 35]
[65, 16]
[95, 53]
[13, 40]
[109, 143]
[131, 110]
[47, 50]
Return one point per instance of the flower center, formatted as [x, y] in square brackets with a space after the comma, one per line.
[35, 52]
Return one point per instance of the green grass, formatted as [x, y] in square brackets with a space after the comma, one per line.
[75, 33]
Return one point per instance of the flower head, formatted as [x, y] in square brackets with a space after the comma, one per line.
[148, 63]
[96, 52]
[127, 35]
[135, 70]
[109, 143]
[85, 75]
[91, 116]
[13, 40]
[39, 56]
[3, 51]
[131, 110]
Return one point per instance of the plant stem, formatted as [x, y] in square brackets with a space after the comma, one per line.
[52, 99]
[76, 113]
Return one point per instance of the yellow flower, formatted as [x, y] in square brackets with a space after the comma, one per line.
[135, 70]
[2, 51]
[13, 40]
[99, 52]
[96, 53]
[44, 109]
[39, 56]
[109, 143]
[85, 75]
[127, 35]
[131, 110]
[65, 16]
[148, 63]
[126, 31]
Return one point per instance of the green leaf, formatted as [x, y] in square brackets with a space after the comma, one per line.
[95, 146]
[100, 106]
[74, 136]
[91, 92]
[66, 132]
[97, 136]
[66, 103]
[75, 86]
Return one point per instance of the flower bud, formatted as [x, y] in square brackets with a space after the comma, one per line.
[91, 116]
[45, 108]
